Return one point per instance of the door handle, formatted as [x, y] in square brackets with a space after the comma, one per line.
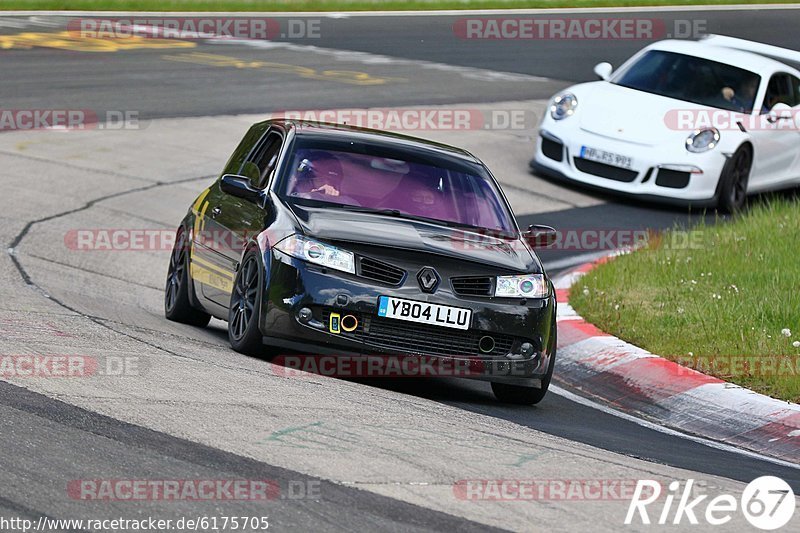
[216, 211]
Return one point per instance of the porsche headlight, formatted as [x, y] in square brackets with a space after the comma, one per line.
[563, 106]
[702, 140]
[525, 286]
[318, 253]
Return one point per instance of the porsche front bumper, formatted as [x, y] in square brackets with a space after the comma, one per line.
[658, 172]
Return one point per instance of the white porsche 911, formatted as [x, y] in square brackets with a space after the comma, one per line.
[691, 122]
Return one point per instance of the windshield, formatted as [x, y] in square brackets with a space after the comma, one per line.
[692, 79]
[397, 182]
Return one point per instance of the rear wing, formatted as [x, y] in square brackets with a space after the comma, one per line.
[774, 52]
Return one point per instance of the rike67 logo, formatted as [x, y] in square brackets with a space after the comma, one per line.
[767, 503]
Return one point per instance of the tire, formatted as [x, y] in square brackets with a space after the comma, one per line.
[522, 395]
[244, 311]
[177, 305]
[733, 180]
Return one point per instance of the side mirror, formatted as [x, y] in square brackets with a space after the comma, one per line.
[239, 186]
[603, 70]
[779, 111]
[540, 236]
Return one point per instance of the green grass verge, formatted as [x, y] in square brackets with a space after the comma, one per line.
[722, 305]
[337, 5]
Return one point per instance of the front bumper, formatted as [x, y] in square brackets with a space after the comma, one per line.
[295, 285]
[656, 174]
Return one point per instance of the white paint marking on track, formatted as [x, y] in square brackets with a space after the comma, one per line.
[368, 58]
[667, 431]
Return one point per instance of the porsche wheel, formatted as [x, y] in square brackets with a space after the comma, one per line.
[177, 306]
[733, 181]
[243, 314]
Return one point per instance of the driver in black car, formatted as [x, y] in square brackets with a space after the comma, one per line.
[318, 174]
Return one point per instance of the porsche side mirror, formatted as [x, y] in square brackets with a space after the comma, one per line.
[603, 70]
[239, 186]
[779, 111]
[540, 236]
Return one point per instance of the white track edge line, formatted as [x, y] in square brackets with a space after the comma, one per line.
[668, 431]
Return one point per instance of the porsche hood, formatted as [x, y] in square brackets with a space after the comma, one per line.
[631, 115]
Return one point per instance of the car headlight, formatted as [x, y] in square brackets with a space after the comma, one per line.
[525, 286]
[702, 140]
[318, 253]
[563, 106]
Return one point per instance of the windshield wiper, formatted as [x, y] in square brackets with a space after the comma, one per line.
[399, 214]
[388, 212]
[358, 208]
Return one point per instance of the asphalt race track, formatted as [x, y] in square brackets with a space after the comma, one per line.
[343, 454]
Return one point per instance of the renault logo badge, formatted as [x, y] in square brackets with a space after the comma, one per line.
[428, 279]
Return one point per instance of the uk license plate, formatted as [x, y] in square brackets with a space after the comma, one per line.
[424, 313]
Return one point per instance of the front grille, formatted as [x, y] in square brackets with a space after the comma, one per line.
[422, 339]
[673, 179]
[604, 171]
[472, 286]
[432, 340]
[552, 149]
[380, 271]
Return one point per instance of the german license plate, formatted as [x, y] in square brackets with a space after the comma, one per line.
[424, 313]
[609, 158]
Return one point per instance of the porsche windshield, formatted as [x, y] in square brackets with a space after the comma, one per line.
[403, 183]
[692, 79]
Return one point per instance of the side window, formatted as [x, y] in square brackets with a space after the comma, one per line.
[261, 163]
[780, 90]
[795, 90]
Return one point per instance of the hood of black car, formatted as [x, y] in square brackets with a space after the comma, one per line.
[334, 224]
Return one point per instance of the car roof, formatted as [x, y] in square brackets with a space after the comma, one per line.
[751, 61]
[333, 130]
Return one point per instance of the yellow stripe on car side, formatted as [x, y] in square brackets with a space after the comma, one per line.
[210, 278]
[200, 269]
[211, 266]
[200, 199]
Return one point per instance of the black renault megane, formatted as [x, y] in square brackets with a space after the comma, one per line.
[330, 239]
